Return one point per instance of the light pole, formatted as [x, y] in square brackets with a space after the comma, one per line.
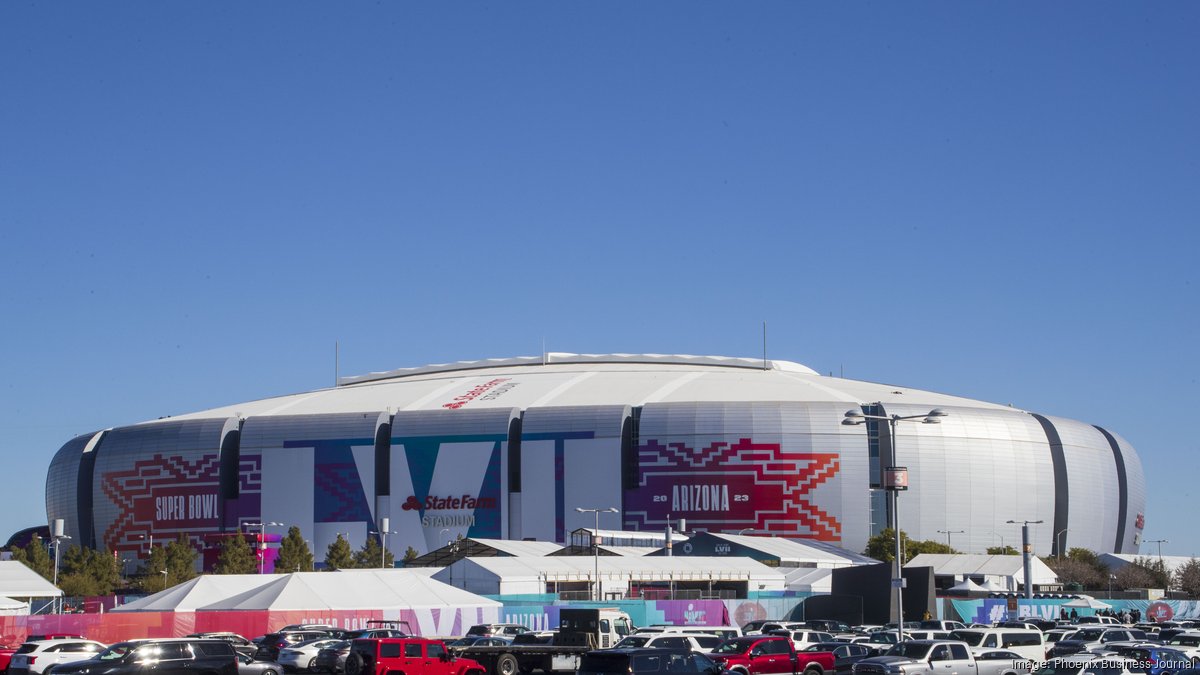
[1026, 552]
[1058, 541]
[1002, 544]
[596, 546]
[383, 533]
[58, 539]
[895, 480]
[948, 533]
[262, 541]
[1160, 542]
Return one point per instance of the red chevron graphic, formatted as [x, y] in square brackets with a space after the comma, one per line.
[723, 486]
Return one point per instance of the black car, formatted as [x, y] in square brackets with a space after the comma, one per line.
[641, 661]
[332, 659]
[240, 644]
[179, 656]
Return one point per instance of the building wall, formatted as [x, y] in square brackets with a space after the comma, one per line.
[784, 467]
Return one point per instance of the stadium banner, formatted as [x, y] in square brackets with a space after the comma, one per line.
[642, 612]
[117, 626]
[789, 469]
[158, 482]
[991, 610]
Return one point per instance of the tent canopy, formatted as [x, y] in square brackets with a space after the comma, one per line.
[18, 581]
[380, 589]
[967, 585]
[1087, 602]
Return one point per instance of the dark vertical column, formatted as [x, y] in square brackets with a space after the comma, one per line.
[84, 492]
[1122, 488]
[1062, 496]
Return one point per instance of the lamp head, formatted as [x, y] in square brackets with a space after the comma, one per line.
[937, 412]
[853, 417]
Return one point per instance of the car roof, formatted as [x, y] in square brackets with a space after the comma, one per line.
[59, 641]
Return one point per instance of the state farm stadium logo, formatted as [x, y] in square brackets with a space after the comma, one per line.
[749, 485]
[488, 391]
[435, 504]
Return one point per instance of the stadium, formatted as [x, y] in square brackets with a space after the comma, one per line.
[510, 448]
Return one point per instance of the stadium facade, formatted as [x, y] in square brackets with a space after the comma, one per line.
[509, 448]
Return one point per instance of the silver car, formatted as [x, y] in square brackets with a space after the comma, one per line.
[248, 666]
[1001, 662]
[304, 655]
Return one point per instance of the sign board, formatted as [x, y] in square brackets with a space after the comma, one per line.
[895, 478]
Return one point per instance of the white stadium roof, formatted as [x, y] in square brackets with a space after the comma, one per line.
[579, 380]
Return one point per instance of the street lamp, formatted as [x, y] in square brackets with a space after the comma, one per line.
[1002, 544]
[383, 533]
[1160, 542]
[895, 480]
[1026, 551]
[58, 539]
[596, 545]
[948, 533]
[1058, 541]
[262, 541]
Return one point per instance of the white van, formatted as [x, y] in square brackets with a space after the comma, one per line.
[1030, 644]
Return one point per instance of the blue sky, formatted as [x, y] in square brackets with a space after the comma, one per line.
[994, 200]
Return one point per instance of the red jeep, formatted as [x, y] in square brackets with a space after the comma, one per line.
[406, 656]
[770, 655]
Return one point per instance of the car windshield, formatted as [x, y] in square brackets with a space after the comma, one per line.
[633, 641]
[116, 651]
[911, 650]
[1088, 634]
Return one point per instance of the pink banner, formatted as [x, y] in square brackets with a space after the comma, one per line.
[117, 626]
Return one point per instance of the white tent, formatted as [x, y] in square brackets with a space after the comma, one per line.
[522, 574]
[1006, 571]
[966, 585]
[18, 581]
[1087, 602]
[380, 589]
[9, 607]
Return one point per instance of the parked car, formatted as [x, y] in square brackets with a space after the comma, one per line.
[1094, 637]
[1089, 664]
[508, 629]
[177, 656]
[410, 655]
[240, 644]
[34, 658]
[332, 659]
[803, 639]
[940, 625]
[769, 655]
[273, 643]
[920, 657]
[646, 662]
[1002, 662]
[303, 656]
[1028, 642]
[1156, 660]
[248, 666]
[845, 654]
[665, 641]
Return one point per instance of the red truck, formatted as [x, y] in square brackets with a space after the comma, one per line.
[770, 655]
[406, 656]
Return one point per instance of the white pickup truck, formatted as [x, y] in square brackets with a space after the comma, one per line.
[921, 657]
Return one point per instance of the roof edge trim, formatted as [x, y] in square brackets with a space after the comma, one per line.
[559, 358]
